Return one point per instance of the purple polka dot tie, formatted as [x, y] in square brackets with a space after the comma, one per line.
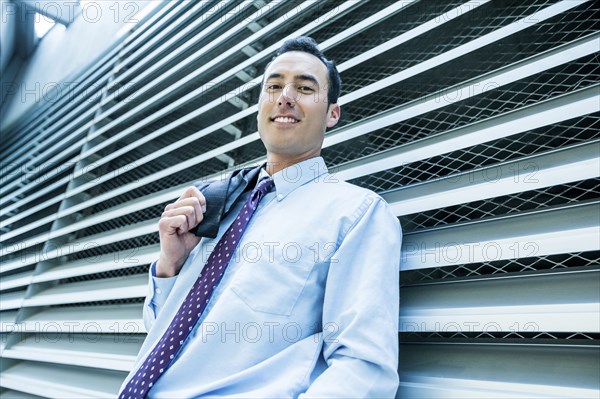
[196, 300]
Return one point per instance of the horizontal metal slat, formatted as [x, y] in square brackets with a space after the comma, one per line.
[141, 203]
[549, 231]
[10, 394]
[15, 280]
[99, 264]
[581, 317]
[107, 237]
[104, 319]
[86, 266]
[11, 300]
[7, 320]
[113, 352]
[505, 304]
[561, 166]
[62, 382]
[428, 387]
[498, 371]
[135, 286]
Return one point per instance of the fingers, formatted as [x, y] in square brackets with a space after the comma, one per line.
[174, 225]
[185, 213]
[193, 192]
[189, 207]
[180, 219]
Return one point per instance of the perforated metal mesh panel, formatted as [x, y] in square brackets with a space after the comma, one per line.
[477, 121]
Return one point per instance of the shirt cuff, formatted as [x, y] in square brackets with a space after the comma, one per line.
[161, 288]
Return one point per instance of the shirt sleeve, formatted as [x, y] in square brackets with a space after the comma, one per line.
[158, 292]
[360, 310]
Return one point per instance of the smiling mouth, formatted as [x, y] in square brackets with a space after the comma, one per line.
[285, 119]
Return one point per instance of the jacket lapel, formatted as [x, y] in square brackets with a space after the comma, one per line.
[216, 193]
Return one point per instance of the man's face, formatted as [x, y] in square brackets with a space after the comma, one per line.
[292, 108]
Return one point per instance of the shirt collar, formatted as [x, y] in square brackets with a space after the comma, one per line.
[296, 175]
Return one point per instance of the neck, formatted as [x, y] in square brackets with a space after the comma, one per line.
[277, 162]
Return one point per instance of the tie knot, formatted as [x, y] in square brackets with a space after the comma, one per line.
[264, 186]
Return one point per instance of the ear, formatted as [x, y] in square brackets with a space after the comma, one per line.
[333, 115]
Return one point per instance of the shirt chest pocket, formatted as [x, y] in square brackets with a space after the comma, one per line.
[273, 284]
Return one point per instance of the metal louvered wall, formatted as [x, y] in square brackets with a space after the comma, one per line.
[477, 121]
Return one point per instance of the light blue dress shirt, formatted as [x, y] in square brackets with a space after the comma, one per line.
[308, 308]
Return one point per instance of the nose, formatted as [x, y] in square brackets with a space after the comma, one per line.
[288, 96]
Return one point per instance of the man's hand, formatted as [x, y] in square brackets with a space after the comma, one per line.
[176, 240]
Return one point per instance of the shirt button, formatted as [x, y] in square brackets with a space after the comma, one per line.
[279, 197]
[158, 291]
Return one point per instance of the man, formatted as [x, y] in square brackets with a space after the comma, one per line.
[306, 303]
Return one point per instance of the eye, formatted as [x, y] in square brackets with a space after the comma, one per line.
[272, 86]
[306, 89]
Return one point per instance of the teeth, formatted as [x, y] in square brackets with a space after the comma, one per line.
[284, 119]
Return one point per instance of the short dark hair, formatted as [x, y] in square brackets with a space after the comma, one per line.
[309, 45]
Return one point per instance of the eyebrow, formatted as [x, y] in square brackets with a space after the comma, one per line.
[309, 78]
